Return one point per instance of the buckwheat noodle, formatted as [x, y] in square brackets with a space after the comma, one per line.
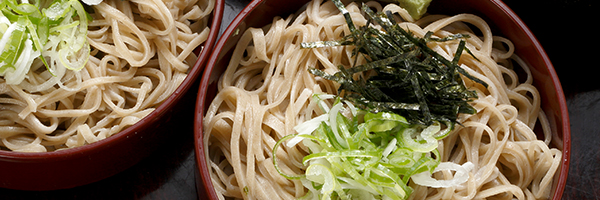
[266, 87]
[141, 51]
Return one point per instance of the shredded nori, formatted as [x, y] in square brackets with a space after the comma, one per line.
[411, 79]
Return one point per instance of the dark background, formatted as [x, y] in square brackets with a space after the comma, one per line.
[565, 28]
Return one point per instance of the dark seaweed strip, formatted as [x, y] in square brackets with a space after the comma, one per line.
[321, 44]
[423, 45]
[411, 79]
[343, 10]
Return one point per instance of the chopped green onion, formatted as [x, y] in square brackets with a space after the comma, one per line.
[58, 35]
[367, 154]
[461, 175]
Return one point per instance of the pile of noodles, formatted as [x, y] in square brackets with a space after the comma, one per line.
[141, 51]
[266, 88]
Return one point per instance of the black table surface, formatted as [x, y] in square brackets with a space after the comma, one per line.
[565, 28]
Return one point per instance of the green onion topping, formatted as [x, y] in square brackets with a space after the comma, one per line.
[53, 31]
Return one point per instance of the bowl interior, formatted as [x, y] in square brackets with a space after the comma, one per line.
[501, 18]
[92, 162]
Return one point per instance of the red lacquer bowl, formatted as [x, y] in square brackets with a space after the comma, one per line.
[93, 162]
[502, 19]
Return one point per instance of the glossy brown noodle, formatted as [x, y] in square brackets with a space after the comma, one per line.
[266, 88]
[141, 51]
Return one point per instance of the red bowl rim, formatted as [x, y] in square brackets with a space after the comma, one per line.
[199, 116]
[161, 110]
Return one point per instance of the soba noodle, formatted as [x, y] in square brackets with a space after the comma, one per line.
[141, 51]
[266, 88]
